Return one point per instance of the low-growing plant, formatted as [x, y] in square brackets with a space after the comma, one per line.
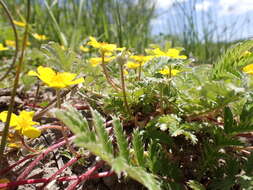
[153, 117]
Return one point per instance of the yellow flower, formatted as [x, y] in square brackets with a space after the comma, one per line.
[55, 79]
[120, 49]
[10, 43]
[167, 71]
[23, 123]
[28, 43]
[132, 65]
[21, 24]
[102, 46]
[98, 60]
[125, 72]
[141, 58]
[248, 69]
[171, 52]
[84, 49]
[3, 48]
[39, 37]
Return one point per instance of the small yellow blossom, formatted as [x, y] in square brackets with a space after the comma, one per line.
[141, 58]
[39, 37]
[55, 79]
[125, 72]
[3, 48]
[171, 52]
[10, 43]
[167, 71]
[23, 123]
[102, 46]
[84, 49]
[15, 145]
[98, 60]
[120, 49]
[18, 23]
[248, 69]
[132, 65]
[28, 43]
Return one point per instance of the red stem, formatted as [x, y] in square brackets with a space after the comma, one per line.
[85, 176]
[60, 179]
[70, 162]
[57, 127]
[6, 170]
[27, 171]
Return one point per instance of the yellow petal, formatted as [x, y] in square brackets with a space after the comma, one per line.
[14, 145]
[32, 73]
[46, 74]
[21, 24]
[31, 132]
[77, 81]
[3, 117]
[3, 48]
[248, 69]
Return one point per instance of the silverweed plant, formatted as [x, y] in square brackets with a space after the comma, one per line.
[151, 115]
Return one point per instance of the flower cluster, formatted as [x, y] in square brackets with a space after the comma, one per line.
[171, 53]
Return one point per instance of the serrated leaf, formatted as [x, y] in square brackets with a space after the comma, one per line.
[194, 185]
[103, 136]
[138, 147]
[121, 140]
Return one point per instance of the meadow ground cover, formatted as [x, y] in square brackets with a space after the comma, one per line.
[101, 107]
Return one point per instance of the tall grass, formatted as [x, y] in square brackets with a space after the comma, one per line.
[126, 22]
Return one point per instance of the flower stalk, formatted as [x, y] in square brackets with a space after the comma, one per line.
[123, 87]
[107, 76]
[15, 86]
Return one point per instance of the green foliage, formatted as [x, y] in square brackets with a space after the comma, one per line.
[121, 140]
[138, 148]
[61, 58]
[194, 185]
[230, 64]
[99, 143]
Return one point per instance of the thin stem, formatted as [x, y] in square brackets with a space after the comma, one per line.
[69, 163]
[58, 97]
[37, 93]
[107, 76]
[6, 170]
[64, 134]
[123, 86]
[26, 146]
[14, 90]
[60, 179]
[15, 36]
[86, 175]
[43, 154]
[51, 104]
[56, 127]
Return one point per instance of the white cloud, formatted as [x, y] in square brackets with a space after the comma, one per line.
[203, 6]
[235, 6]
[164, 4]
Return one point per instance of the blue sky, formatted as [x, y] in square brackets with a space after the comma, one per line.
[230, 19]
